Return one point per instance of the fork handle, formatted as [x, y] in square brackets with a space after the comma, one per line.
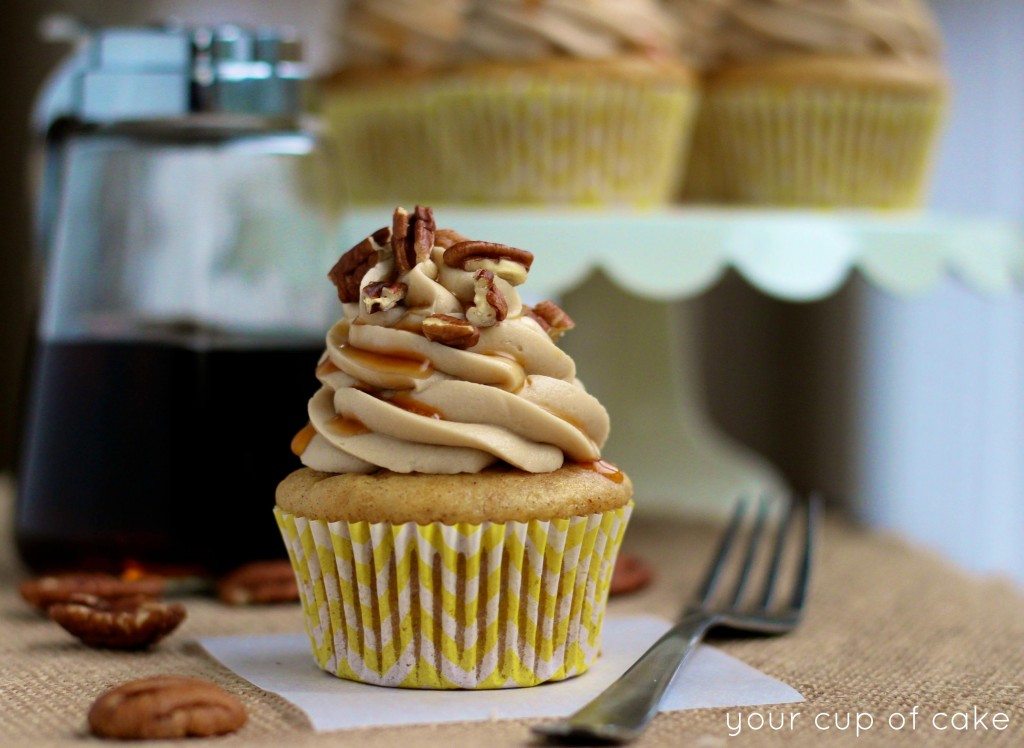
[621, 711]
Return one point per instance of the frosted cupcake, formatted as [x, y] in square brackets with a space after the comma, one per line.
[567, 102]
[380, 105]
[821, 102]
[454, 525]
[516, 101]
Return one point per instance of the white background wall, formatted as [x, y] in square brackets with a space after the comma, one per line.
[941, 378]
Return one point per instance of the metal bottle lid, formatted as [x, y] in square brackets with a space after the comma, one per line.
[174, 73]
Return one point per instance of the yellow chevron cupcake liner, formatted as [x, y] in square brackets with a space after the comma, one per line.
[533, 139]
[815, 146]
[493, 605]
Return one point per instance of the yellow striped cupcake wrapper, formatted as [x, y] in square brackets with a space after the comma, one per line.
[386, 146]
[815, 146]
[534, 140]
[494, 605]
[520, 140]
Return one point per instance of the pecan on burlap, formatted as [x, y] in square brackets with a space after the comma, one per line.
[125, 623]
[630, 574]
[259, 583]
[42, 592]
[164, 707]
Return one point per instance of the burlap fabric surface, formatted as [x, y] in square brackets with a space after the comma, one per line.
[889, 629]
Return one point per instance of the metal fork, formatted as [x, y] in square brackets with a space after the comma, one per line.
[758, 601]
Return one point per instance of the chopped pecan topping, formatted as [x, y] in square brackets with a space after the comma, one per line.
[259, 583]
[163, 707]
[348, 271]
[400, 221]
[381, 296]
[43, 592]
[447, 237]
[451, 331]
[459, 254]
[489, 305]
[552, 318]
[126, 623]
[412, 237]
[508, 263]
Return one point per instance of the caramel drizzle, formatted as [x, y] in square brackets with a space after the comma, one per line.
[409, 405]
[326, 368]
[388, 363]
[605, 468]
[342, 425]
[302, 439]
[517, 371]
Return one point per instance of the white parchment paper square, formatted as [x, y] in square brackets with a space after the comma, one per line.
[283, 664]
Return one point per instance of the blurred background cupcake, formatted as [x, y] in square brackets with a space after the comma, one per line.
[516, 101]
[380, 103]
[568, 101]
[821, 102]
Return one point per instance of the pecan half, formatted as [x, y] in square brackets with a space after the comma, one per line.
[489, 305]
[165, 706]
[630, 573]
[552, 318]
[508, 263]
[127, 623]
[348, 271]
[451, 331]
[259, 583]
[381, 296]
[43, 592]
[447, 237]
[412, 237]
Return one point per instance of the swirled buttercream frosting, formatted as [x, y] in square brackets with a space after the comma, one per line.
[438, 367]
[698, 23]
[524, 30]
[756, 29]
[396, 32]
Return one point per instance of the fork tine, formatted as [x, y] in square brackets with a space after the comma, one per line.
[752, 545]
[813, 510]
[783, 531]
[714, 573]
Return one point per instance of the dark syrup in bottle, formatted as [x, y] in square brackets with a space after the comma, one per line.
[157, 454]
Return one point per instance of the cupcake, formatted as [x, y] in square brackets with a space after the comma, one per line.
[453, 525]
[380, 104]
[536, 101]
[559, 101]
[821, 103]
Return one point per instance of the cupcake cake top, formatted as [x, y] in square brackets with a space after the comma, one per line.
[529, 30]
[758, 29]
[438, 367]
